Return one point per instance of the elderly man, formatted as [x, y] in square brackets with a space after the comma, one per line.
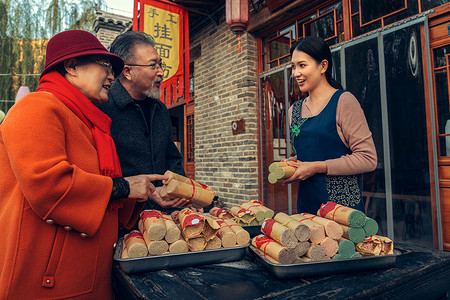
[141, 125]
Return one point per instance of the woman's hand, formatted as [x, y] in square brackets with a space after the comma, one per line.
[141, 187]
[305, 170]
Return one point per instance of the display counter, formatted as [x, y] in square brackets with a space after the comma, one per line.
[418, 273]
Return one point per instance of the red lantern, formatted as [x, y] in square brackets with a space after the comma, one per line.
[236, 12]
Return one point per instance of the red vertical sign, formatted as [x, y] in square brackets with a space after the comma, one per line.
[168, 24]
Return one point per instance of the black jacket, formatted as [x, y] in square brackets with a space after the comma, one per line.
[142, 148]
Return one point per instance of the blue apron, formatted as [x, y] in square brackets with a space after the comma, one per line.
[316, 139]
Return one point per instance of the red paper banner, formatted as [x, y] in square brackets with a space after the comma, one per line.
[167, 23]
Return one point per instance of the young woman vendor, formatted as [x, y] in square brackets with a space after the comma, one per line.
[329, 133]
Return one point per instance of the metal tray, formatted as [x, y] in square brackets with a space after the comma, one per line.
[326, 267]
[160, 262]
[253, 230]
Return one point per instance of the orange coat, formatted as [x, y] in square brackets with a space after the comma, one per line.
[49, 179]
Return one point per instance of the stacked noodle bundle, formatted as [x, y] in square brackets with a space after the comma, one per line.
[324, 232]
[357, 229]
[306, 237]
[248, 213]
[182, 231]
[178, 186]
[278, 171]
[286, 240]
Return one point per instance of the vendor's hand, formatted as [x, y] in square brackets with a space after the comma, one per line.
[292, 158]
[167, 202]
[306, 169]
[141, 187]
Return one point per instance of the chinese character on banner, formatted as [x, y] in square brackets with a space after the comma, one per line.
[167, 23]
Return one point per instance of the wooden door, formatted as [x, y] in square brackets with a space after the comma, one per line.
[439, 29]
[277, 95]
[189, 147]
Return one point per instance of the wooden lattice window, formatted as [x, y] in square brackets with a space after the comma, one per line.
[325, 21]
[190, 138]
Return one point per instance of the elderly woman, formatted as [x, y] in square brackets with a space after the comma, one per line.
[61, 190]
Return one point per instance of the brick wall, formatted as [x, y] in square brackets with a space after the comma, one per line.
[107, 26]
[225, 91]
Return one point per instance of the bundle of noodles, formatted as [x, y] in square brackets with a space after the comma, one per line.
[154, 247]
[178, 186]
[192, 225]
[245, 217]
[172, 231]
[242, 235]
[342, 214]
[278, 171]
[317, 234]
[301, 231]
[153, 224]
[273, 249]
[279, 233]
[226, 235]
[134, 245]
[255, 209]
[268, 213]
[220, 213]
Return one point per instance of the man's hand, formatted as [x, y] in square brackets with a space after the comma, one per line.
[166, 202]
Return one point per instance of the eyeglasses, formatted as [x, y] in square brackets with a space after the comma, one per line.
[152, 66]
[109, 67]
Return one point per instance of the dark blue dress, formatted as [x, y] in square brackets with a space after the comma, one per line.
[316, 139]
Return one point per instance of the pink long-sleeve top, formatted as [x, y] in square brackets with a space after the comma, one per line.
[352, 127]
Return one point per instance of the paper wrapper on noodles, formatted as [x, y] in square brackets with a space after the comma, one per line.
[196, 243]
[210, 229]
[174, 216]
[387, 245]
[242, 215]
[268, 257]
[369, 246]
[257, 212]
[199, 194]
[154, 224]
[192, 223]
[279, 233]
[226, 235]
[317, 231]
[342, 214]
[242, 235]
[153, 247]
[171, 175]
[301, 231]
[267, 211]
[172, 231]
[220, 213]
[332, 229]
[272, 248]
[134, 244]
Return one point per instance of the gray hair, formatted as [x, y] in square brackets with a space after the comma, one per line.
[124, 44]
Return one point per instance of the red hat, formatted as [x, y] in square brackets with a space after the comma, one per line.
[75, 43]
